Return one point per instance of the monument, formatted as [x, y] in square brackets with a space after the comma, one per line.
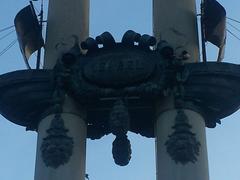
[155, 86]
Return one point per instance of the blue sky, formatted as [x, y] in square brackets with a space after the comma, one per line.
[17, 153]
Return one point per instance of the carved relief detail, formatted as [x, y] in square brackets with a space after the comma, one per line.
[57, 147]
[182, 145]
[119, 124]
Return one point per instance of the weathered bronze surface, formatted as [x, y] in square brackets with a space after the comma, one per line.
[57, 146]
[118, 85]
[119, 125]
[130, 70]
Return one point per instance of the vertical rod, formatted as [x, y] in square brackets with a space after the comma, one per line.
[204, 54]
[41, 27]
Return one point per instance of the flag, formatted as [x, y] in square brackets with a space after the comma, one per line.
[214, 25]
[28, 32]
[214, 18]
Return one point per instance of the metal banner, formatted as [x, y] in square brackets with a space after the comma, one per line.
[214, 18]
[28, 32]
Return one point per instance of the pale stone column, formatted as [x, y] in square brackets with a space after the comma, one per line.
[167, 168]
[68, 21]
[67, 24]
[176, 22]
[74, 168]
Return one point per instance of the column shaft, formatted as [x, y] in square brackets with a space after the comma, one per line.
[68, 20]
[67, 24]
[167, 168]
[74, 169]
[176, 22]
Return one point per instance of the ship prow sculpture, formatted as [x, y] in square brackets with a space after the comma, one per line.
[119, 87]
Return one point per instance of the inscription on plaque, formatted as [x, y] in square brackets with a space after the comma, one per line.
[125, 70]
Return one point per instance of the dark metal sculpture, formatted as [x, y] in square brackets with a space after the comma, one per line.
[116, 69]
[182, 145]
[57, 147]
[110, 77]
[119, 125]
[122, 81]
[121, 150]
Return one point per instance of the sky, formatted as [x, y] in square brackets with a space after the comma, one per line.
[18, 147]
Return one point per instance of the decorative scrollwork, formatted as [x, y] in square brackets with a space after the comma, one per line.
[182, 144]
[129, 39]
[57, 147]
[117, 69]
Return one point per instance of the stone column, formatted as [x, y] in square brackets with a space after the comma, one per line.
[68, 22]
[167, 166]
[181, 151]
[176, 22]
[61, 147]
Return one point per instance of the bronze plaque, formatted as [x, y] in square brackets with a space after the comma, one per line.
[119, 69]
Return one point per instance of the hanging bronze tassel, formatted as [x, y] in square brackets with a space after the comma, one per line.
[121, 150]
[119, 126]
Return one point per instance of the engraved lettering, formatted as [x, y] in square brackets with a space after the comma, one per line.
[118, 72]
